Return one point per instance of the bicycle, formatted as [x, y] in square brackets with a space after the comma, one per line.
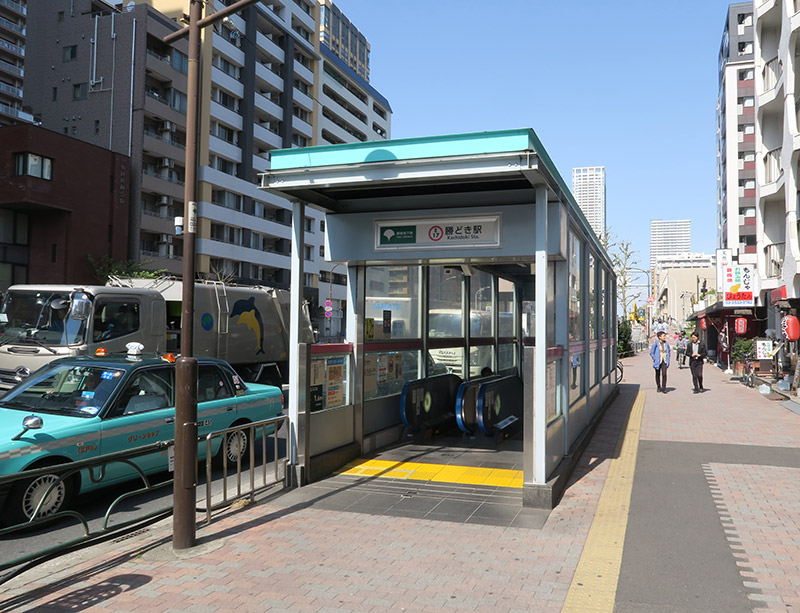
[749, 374]
[620, 371]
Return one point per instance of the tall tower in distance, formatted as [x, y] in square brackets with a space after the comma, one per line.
[669, 237]
[589, 189]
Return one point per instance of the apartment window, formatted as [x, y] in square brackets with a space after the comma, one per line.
[228, 68]
[227, 199]
[309, 224]
[745, 48]
[322, 225]
[299, 140]
[97, 126]
[180, 61]
[69, 54]
[226, 133]
[308, 253]
[381, 113]
[747, 101]
[746, 75]
[301, 86]
[747, 183]
[226, 166]
[60, 16]
[80, 91]
[55, 94]
[300, 113]
[178, 101]
[32, 165]
[302, 59]
[308, 280]
[745, 19]
[322, 251]
[226, 100]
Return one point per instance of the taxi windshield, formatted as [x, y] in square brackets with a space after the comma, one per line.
[65, 389]
[39, 318]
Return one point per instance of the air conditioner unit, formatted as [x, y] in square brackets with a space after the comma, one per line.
[167, 126]
[167, 163]
[165, 200]
[165, 238]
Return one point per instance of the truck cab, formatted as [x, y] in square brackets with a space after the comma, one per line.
[39, 323]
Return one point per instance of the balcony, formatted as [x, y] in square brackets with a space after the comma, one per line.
[772, 165]
[773, 258]
[771, 73]
[15, 6]
[12, 69]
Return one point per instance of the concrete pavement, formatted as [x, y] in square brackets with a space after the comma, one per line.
[681, 502]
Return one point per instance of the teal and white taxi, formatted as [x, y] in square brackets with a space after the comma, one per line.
[85, 407]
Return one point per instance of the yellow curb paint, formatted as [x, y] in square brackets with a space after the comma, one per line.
[594, 586]
[440, 473]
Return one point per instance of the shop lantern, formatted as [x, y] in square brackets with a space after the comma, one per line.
[790, 326]
[704, 323]
[740, 325]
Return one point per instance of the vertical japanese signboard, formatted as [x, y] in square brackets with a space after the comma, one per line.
[738, 286]
[724, 260]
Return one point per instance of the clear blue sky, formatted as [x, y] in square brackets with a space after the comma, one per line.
[630, 85]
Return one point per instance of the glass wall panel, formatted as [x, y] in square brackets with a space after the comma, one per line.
[576, 374]
[386, 372]
[592, 299]
[480, 302]
[447, 360]
[575, 257]
[445, 300]
[506, 356]
[393, 302]
[507, 309]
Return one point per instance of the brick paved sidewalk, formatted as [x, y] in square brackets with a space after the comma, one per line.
[284, 554]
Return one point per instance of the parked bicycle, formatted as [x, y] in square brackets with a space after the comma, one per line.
[749, 374]
[620, 371]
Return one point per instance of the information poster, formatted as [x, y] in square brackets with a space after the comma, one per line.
[369, 328]
[335, 382]
[370, 374]
[317, 385]
[383, 364]
[387, 324]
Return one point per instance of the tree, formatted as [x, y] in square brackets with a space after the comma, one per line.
[105, 266]
[623, 258]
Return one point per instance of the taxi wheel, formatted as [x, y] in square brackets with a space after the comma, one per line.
[26, 494]
[234, 445]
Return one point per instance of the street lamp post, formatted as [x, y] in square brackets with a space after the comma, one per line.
[185, 487]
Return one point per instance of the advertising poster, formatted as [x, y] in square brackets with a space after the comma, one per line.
[398, 365]
[335, 382]
[387, 324]
[317, 385]
[738, 286]
[763, 350]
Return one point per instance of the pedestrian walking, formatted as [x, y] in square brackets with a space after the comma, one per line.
[660, 352]
[680, 348]
[697, 355]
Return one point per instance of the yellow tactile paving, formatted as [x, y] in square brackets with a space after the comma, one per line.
[440, 473]
[594, 585]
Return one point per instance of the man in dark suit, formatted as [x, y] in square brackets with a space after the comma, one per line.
[697, 355]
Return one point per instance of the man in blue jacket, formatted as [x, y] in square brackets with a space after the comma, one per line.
[660, 352]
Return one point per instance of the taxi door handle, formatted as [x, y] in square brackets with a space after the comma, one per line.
[169, 420]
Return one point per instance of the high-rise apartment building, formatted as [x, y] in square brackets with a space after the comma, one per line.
[13, 30]
[589, 189]
[669, 237]
[736, 135]
[267, 82]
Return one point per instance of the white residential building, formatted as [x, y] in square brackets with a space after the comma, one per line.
[589, 189]
[669, 237]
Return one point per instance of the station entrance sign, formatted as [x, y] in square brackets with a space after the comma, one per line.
[457, 232]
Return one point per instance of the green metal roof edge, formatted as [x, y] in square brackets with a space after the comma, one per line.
[501, 141]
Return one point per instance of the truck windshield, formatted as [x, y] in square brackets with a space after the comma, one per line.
[66, 389]
[39, 318]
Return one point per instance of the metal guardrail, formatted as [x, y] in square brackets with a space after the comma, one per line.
[251, 429]
[96, 468]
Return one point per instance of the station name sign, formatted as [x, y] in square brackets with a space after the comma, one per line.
[455, 232]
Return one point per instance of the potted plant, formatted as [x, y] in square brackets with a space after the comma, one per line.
[741, 350]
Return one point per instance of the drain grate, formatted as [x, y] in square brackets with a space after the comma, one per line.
[126, 537]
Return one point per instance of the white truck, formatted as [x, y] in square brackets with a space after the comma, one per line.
[248, 326]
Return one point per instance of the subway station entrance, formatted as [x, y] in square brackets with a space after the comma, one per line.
[480, 315]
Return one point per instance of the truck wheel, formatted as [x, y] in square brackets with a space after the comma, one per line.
[234, 445]
[25, 495]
